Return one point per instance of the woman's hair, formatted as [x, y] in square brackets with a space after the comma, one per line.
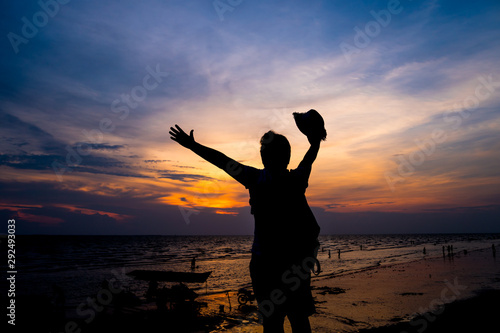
[275, 150]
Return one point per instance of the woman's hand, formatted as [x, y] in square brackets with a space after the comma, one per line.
[178, 135]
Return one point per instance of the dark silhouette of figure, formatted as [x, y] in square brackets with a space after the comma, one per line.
[286, 231]
[193, 263]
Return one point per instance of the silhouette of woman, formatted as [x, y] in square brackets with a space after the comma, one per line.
[286, 231]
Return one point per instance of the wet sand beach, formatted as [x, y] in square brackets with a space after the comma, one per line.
[446, 290]
[476, 314]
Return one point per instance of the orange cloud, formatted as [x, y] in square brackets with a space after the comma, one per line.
[48, 220]
[86, 211]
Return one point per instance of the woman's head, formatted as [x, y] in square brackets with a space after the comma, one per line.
[275, 151]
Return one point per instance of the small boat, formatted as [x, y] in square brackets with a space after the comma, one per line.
[170, 276]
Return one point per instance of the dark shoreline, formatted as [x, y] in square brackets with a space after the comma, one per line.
[476, 314]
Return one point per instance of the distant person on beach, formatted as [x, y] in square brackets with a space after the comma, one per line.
[286, 231]
[193, 263]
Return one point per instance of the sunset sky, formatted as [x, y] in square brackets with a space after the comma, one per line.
[409, 90]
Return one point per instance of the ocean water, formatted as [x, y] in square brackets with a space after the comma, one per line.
[79, 264]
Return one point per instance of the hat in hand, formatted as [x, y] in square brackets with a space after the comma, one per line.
[311, 124]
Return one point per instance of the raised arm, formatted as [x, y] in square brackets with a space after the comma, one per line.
[213, 156]
[311, 154]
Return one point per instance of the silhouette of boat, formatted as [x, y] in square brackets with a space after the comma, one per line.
[177, 295]
[170, 276]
